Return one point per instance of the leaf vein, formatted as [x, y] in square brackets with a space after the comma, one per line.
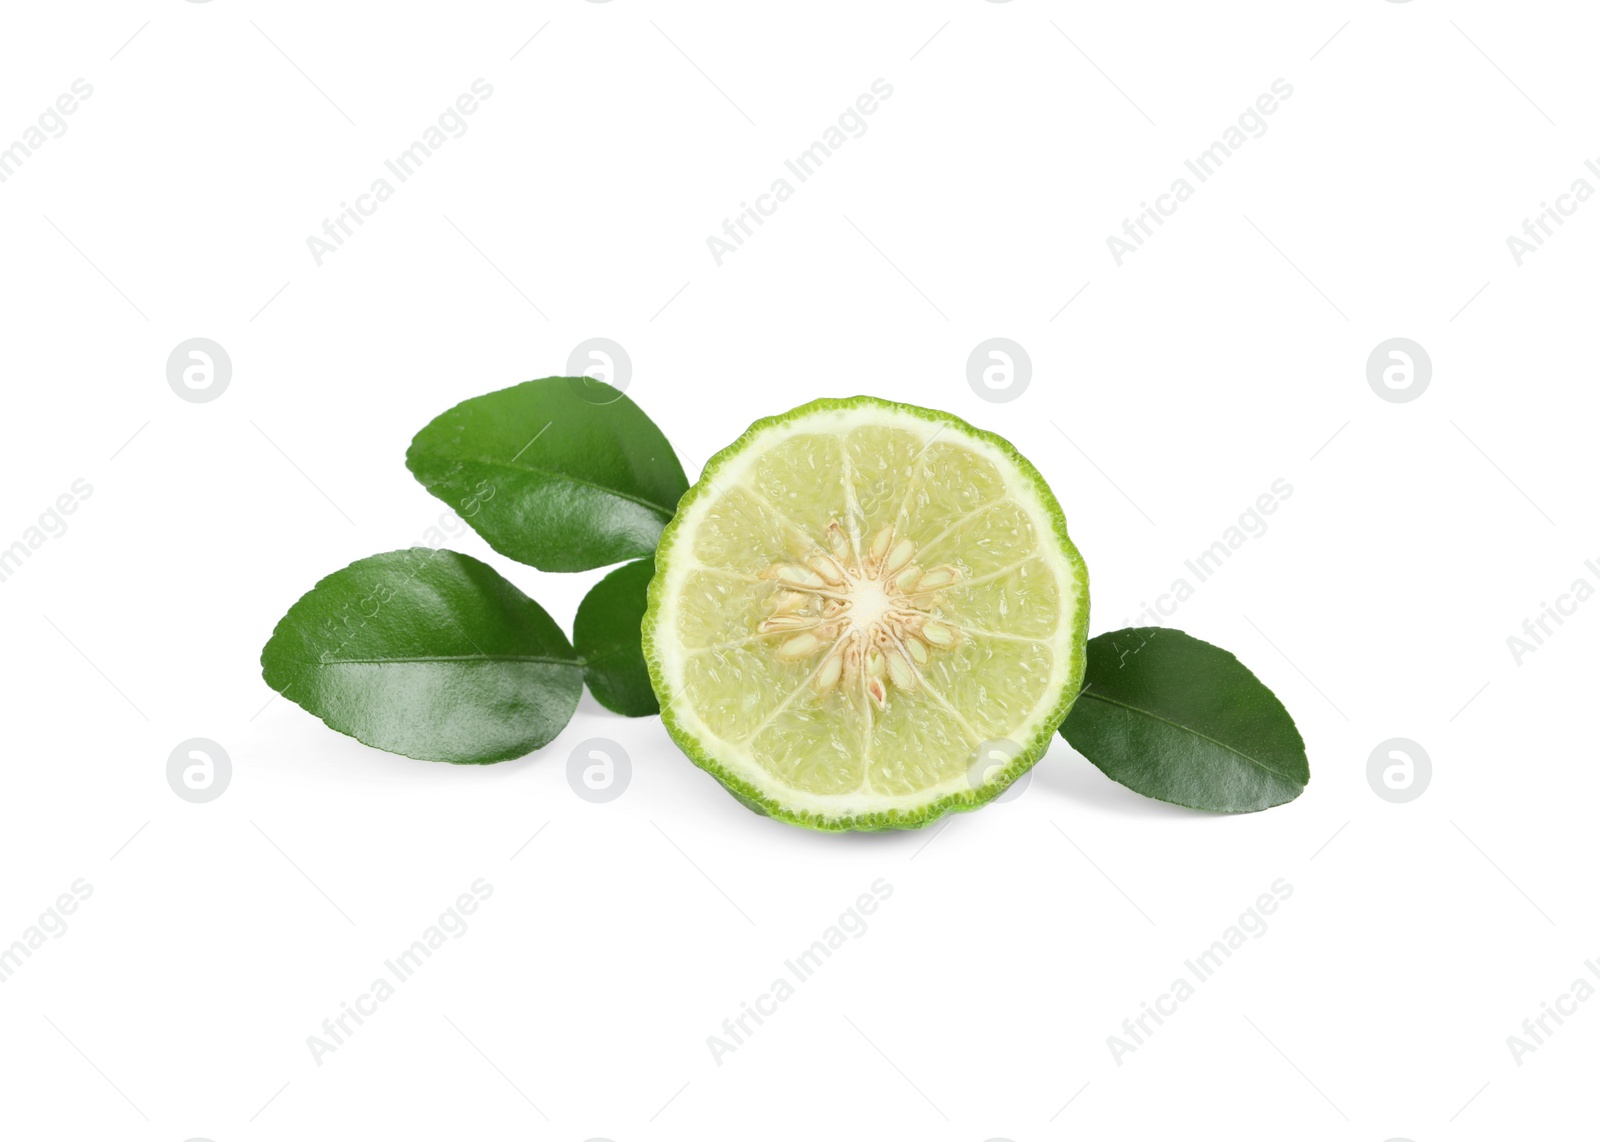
[1257, 762]
[663, 510]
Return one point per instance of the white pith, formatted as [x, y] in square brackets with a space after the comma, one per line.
[867, 600]
[866, 606]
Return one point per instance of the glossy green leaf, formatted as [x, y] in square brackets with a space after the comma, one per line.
[1183, 721]
[426, 653]
[606, 633]
[564, 473]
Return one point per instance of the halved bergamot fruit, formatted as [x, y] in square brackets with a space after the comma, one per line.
[866, 615]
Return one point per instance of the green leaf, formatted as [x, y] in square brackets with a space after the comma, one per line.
[426, 653]
[563, 473]
[1183, 721]
[607, 636]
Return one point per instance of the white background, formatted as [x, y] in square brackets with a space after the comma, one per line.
[1172, 391]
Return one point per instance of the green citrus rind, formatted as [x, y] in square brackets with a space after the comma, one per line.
[759, 801]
